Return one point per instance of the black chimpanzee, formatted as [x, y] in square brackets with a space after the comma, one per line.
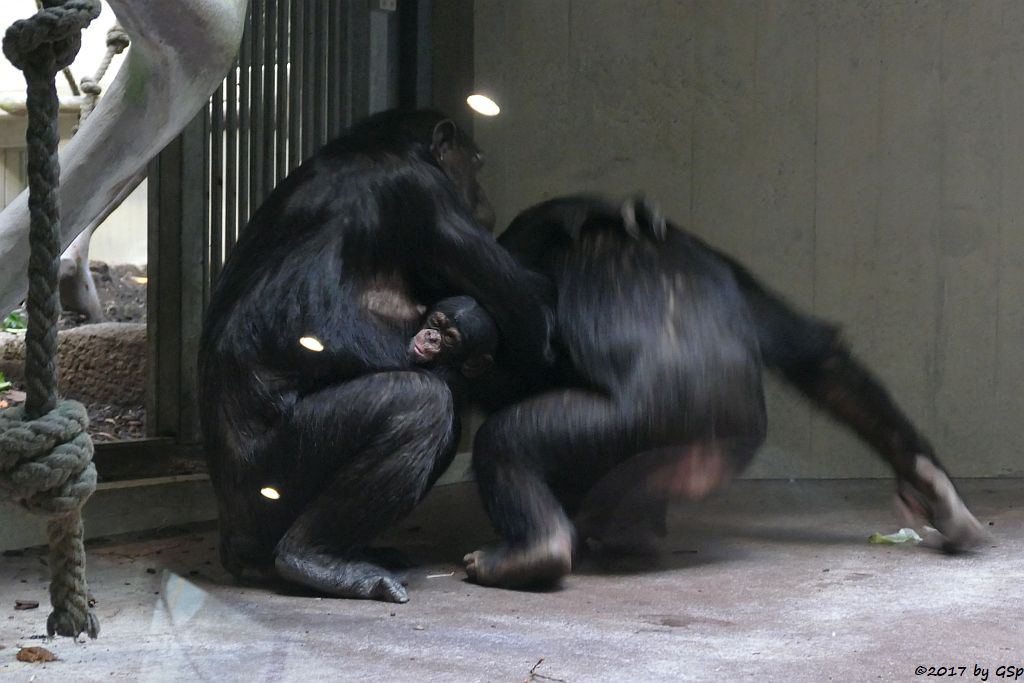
[457, 342]
[663, 344]
[345, 431]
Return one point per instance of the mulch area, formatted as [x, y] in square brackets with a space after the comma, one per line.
[122, 295]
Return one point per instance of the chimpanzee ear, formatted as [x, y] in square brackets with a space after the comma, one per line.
[477, 365]
[443, 138]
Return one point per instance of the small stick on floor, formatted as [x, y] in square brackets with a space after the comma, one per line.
[534, 676]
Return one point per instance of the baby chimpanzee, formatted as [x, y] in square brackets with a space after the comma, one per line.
[457, 342]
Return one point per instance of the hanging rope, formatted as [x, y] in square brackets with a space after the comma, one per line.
[45, 453]
[117, 42]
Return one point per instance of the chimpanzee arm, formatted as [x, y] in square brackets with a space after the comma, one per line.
[810, 354]
[468, 260]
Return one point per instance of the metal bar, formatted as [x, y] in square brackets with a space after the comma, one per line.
[342, 68]
[215, 206]
[257, 130]
[320, 76]
[358, 67]
[334, 70]
[281, 68]
[193, 267]
[244, 122]
[295, 84]
[231, 167]
[309, 77]
[163, 291]
[269, 98]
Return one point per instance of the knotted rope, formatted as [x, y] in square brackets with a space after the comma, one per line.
[45, 453]
[117, 42]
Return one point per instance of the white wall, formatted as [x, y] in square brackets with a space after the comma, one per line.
[864, 157]
[122, 237]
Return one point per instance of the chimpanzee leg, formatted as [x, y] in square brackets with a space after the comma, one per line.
[398, 433]
[625, 513]
[516, 455]
[810, 355]
[557, 446]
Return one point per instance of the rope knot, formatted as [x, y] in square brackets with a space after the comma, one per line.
[46, 464]
[49, 41]
[117, 39]
[89, 86]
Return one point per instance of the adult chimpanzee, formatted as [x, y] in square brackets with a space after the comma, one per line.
[347, 250]
[457, 342]
[663, 344]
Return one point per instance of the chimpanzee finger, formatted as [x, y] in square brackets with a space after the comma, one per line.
[642, 217]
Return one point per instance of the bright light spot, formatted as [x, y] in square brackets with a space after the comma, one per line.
[482, 104]
[270, 492]
[311, 343]
[139, 279]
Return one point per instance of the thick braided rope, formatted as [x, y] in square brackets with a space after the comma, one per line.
[46, 466]
[45, 454]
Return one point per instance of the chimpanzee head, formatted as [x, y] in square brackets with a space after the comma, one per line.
[456, 332]
[432, 133]
[462, 160]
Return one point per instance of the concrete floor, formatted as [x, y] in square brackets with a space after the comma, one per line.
[771, 580]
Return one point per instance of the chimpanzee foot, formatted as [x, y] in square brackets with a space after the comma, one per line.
[934, 498]
[537, 564]
[341, 577]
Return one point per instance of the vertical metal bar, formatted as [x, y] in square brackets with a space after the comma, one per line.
[358, 67]
[379, 63]
[231, 167]
[192, 268]
[281, 67]
[424, 43]
[269, 97]
[257, 130]
[160, 254]
[309, 75]
[334, 72]
[412, 46]
[295, 84]
[244, 122]
[205, 204]
[216, 205]
[344, 68]
[320, 85]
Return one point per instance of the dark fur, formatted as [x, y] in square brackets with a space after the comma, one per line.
[663, 343]
[347, 249]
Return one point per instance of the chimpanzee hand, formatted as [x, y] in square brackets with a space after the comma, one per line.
[640, 217]
[643, 218]
[930, 496]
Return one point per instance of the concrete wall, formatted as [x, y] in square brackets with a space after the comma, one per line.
[865, 158]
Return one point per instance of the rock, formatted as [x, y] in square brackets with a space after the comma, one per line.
[103, 363]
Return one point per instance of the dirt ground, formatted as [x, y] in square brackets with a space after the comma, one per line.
[122, 295]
